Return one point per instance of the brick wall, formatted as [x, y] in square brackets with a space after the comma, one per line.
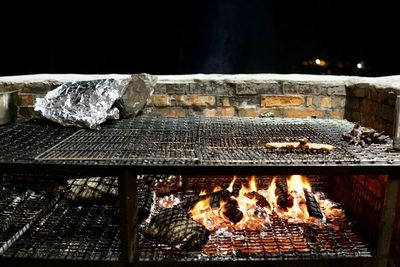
[371, 106]
[247, 99]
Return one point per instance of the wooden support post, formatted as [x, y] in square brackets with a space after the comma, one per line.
[387, 221]
[127, 187]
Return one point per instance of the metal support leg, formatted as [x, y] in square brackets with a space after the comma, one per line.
[387, 221]
[128, 216]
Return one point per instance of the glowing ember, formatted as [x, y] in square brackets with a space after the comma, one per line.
[250, 208]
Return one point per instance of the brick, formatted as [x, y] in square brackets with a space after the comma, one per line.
[355, 116]
[252, 88]
[160, 89]
[306, 88]
[26, 100]
[338, 102]
[282, 100]
[244, 100]
[159, 101]
[194, 100]
[226, 102]
[169, 112]
[388, 112]
[337, 90]
[37, 87]
[304, 113]
[245, 89]
[177, 89]
[27, 112]
[268, 88]
[370, 107]
[229, 112]
[211, 88]
[326, 102]
[309, 101]
[353, 104]
[337, 114]
[359, 90]
[219, 88]
[256, 111]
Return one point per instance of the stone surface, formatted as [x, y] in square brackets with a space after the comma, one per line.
[138, 90]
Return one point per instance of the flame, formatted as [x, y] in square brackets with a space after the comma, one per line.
[296, 185]
[250, 208]
[253, 217]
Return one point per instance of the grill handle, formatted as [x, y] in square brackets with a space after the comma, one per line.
[396, 128]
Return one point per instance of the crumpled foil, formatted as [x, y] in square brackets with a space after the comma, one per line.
[87, 104]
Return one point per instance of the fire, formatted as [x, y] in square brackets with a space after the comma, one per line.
[251, 208]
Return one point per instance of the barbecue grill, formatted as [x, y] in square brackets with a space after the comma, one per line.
[195, 148]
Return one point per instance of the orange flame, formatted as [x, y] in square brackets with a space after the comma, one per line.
[254, 215]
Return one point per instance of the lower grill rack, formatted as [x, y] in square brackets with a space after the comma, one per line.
[73, 233]
[280, 241]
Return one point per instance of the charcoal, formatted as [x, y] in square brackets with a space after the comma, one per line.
[261, 200]
[284, 200]
[173, 227]
[312, 205]
[164, 184]
[310, 233]
[363, 136]
[216, 197]
[146, 202]
[232, 211]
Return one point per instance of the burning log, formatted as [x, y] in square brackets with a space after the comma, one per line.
[173, 227]
[146, 200]
[284, 200]
[261, 200]
[312, 205]
[364, 136]
[232, 211]
[216, 198]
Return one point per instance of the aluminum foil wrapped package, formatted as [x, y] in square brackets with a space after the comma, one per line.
[87, 104]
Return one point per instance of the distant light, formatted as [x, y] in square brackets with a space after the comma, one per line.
[360, 65]
[320, 62]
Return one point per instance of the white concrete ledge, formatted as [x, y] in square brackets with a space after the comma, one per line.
[378, 82]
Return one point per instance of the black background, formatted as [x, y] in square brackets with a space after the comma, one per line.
[219, 36]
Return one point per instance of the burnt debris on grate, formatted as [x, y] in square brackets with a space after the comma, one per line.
[364, 136]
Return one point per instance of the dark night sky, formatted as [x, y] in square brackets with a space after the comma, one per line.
[208, 36]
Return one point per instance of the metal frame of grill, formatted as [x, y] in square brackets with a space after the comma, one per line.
[201, 137]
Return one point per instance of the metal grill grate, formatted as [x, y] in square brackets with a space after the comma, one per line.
[25, 140]
[201, 141]
[68, 232]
